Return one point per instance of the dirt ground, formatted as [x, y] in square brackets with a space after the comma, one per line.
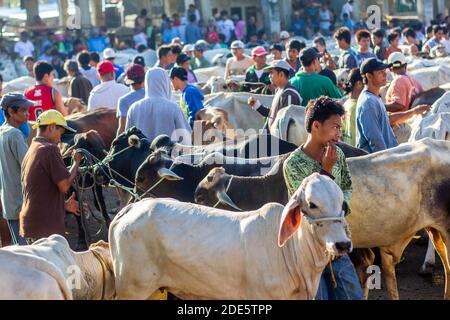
[411, 285]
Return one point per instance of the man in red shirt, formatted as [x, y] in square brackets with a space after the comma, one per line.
[393, 39]
[44, 96]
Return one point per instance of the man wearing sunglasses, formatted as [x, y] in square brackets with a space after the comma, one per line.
[46, 180]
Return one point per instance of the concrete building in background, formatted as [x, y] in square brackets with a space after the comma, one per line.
[273, 15]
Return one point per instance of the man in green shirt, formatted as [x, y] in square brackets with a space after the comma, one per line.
[323, 120]
[198, 61]
[309, 83]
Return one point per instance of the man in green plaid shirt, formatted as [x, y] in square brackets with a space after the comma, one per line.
[323, 120]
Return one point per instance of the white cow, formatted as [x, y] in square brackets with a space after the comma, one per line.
[398, 192]
[431, 77]
[205, 74]
[87, 275]
[23, 83]
[197, 252]
[29, 277]
[240, 114]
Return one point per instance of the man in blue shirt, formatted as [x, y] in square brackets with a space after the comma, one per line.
[192, 98]
[375, 132]
[24, 128]
[135, 77]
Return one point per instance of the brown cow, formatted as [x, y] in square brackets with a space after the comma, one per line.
[75, 105]
[103, 120]
[211, 126]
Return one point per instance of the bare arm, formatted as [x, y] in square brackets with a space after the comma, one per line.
[396, 107]
[122, 124]
[401, 117]
[65, 184]
[59, 103]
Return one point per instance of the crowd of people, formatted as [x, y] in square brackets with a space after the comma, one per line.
[34, 177]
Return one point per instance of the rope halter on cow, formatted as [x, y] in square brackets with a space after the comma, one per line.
[148, 192]
[103, 266]
[318, 221]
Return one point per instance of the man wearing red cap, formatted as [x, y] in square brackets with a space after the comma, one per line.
[256, 73]
[108, 92]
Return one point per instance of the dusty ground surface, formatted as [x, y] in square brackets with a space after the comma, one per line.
[411, 285]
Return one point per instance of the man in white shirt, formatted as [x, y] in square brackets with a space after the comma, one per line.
[225, 26]
[24, 47]
[239, 63]
[348, 9]
[108, 92]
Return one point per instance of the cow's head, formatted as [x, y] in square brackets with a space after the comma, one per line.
[155, 168]
[162, 142]
[127, 153]
[90, 141]
[319, 201]
[213, 190]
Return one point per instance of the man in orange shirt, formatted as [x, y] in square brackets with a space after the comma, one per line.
[404, 88]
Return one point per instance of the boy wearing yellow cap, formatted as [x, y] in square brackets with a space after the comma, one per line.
[46, 180]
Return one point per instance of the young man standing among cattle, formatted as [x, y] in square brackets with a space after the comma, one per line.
[373, 121]
[403, 89]
[323, 121]
[285, 94]
[43, 94]
[46, 180]
[13, 148]
[192, 98]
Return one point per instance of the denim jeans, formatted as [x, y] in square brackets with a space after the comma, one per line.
[348, 286]
[13, 226]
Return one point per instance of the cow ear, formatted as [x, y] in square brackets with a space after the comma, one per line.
[290, 222]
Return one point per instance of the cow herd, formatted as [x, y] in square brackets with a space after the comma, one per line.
[213, 220]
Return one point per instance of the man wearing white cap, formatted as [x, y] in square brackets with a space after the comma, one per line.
[285, 37]
[404, 88]
[239, 63]
[110, 55]
[285, 94]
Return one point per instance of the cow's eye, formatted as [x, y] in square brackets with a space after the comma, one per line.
[312, 205]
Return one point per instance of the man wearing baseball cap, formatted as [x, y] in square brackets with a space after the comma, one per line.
[13, 148]
[46, 180]
[192, 98]
[199, 61]
[285, 94]
[309, 83]
[373, 120]
[404, 88]
[239, 63]
[109, 54]
[135, 77]
[184, 61]
[257, 72]
[108, 92]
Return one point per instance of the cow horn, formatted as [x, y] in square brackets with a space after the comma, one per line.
[134, 141]
[225, 199]
[169, 175]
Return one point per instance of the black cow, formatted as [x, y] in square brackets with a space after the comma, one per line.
[161, 176]
[93, 143]
[124, 164]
